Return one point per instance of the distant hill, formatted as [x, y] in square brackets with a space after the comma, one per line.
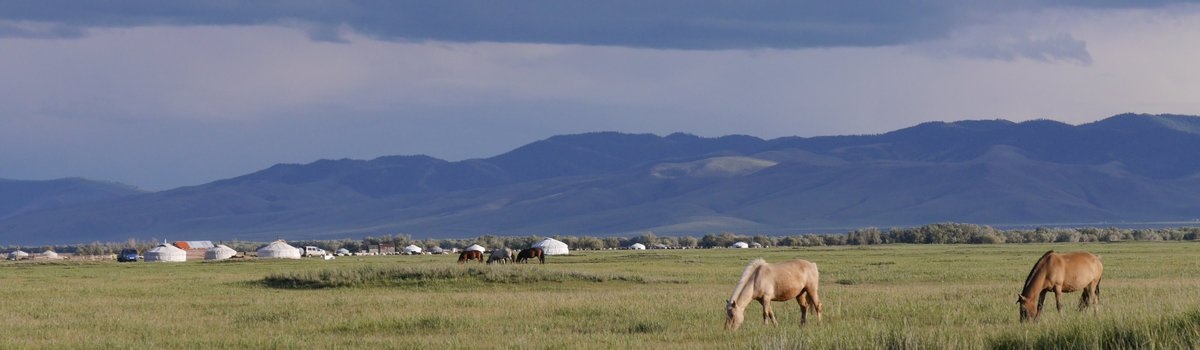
[1127, 168]
[21, 196]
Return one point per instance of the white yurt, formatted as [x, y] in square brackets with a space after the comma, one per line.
[220, 252]
[342, 252]
[278, 250]
[476, 247]
[18, 255]
[50, 254]
[412, 249]
[637, 246]
[552, 246]
[165, 253]
[437, 250]
[740, 245]
[756, 245]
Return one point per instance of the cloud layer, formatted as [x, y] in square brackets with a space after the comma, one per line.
[163, 94]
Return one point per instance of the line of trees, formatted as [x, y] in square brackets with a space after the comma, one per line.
[941, 233]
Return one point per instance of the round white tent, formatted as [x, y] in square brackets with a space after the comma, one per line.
[412, 249]
[437, 250]
[165, 253]
[220, 252]
[279, 250]
[18, 255]
[552, 246]
[342, 251]
[756, 245]
[49, 254]
[476, 247]
[637, 246]
[740, 245]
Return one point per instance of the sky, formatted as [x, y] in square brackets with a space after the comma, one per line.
[163, 94]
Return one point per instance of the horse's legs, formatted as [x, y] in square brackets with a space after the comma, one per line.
[800, 299]
[814, 300]
[1058, 299]
[1041, 302]
[768, 313]
[1091, 298]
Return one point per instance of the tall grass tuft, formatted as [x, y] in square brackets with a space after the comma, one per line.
[1179, 332]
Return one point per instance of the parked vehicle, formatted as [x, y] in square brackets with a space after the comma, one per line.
[128, 255]
[309, 250]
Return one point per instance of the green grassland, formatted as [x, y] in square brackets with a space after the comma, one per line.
[889, 296]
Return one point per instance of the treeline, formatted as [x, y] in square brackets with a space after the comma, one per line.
[942, 233]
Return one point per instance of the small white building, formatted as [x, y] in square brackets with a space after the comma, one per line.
[165, 253]
[637, 246]
[219, 252]
[18, 255]
[552, 246]
[278, 250]
[476, 247]
[412, 249]
[740, 245]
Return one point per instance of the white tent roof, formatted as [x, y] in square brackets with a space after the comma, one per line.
[475, 247]
[637, 246]
[342, 251]
[740, 245]
[17, 254]
[165, 253]
[552, 246]
[50, 254]
[279, 250]
[220, 252]
[412, 248]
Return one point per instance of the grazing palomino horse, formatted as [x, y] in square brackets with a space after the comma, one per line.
[501, 256]
[469, 255]
[1061, 273]
[525, 254]
[795, 279]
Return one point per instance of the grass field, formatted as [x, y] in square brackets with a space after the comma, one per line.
[891, 296]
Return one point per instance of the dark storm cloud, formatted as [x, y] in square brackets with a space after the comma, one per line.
[673, 24]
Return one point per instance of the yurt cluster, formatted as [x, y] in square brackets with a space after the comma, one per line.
[183, 251]
[23, 255]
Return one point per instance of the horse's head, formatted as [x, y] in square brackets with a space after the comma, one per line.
[733, 316]
[1028, 308]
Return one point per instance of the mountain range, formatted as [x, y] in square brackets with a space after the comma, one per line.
[1126, 168]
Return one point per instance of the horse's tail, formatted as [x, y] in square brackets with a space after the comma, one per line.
[749, 271]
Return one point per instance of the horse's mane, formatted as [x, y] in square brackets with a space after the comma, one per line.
[1041, 261]
[750, 269]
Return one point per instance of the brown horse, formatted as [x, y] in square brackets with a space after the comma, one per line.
[1061, 273]
[469, 255]
[796, 279]
[525, 254]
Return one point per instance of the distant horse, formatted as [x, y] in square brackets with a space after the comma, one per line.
[469, 255]
[525, 254]
[795, 279]
[1061, 273]
[500, 256]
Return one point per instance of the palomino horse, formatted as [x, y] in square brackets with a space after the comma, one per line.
[469, 255]
[796, 279]
[500, 256]
[1061, 273]
[525, 254]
